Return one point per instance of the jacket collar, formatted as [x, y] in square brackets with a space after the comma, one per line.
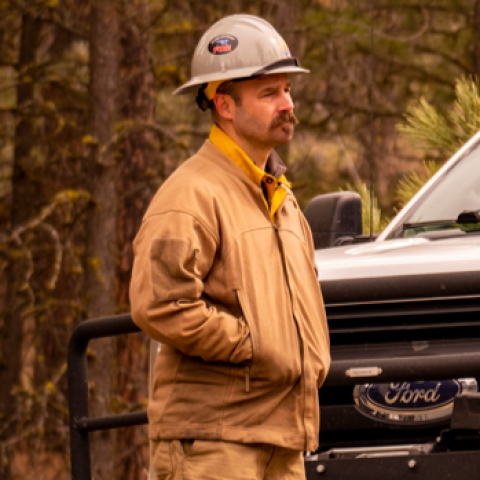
[275, 168]
[220, 160]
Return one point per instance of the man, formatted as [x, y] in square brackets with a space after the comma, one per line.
[224, 277]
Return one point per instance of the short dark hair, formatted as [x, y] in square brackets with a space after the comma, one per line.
[230, 88]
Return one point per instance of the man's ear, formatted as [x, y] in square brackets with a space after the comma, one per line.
[224, 105]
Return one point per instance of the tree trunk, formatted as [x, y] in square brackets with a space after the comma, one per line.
[138, 155]
[138, 149]
[476, 39]
[101, 230]
[24, 199]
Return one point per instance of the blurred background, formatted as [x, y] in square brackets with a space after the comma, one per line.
[89, 130]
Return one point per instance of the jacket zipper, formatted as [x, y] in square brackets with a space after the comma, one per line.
[300, 338]
[246, 368]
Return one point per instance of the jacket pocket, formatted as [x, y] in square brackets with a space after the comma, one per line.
[246, 365]
[275, 346]
[247, 378]
[189, 447]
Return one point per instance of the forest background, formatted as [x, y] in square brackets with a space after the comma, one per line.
[89, 130]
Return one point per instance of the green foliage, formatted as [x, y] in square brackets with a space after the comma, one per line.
[414, 181]
[447, 132]
[427, 127]
[465, 114]
[379, 221]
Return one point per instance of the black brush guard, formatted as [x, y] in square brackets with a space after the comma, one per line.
[440, 464]
[80, 423]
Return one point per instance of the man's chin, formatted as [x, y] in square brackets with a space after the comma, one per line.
[283, 134]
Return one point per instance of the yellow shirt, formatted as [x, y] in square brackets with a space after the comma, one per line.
[274, 189]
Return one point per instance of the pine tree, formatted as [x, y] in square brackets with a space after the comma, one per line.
[439, 132]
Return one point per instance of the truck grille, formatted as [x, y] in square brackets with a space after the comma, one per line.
[404, 321]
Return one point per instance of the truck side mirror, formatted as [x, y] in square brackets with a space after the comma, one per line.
[335, 218]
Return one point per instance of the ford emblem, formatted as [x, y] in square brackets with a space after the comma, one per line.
[411, 402]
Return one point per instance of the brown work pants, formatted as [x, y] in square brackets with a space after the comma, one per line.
[217, 460]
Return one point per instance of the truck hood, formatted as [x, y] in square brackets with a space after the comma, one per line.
[400, 257]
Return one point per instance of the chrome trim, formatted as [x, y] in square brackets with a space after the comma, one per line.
[372, 452]
[403, 300]
[363, 372]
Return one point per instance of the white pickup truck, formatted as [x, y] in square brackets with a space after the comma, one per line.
[404, 318]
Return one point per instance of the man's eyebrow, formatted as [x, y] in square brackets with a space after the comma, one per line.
[276, 87]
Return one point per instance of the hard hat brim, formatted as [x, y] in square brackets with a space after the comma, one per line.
[193, 84]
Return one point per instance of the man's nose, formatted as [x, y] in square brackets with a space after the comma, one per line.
[286, 102]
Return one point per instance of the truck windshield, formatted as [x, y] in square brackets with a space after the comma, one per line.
[451, 203]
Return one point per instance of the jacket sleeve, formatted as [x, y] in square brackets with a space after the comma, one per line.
[174, 253]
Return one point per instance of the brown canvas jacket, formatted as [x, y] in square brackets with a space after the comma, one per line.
[236, 304]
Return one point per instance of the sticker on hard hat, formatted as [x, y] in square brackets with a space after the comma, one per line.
[285, 48]
[223, 44]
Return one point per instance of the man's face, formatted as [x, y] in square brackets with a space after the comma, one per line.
[265, 116]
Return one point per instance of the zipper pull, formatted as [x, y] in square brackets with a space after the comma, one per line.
[247, 378]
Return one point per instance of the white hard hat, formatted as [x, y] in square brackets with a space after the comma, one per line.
[239, 47]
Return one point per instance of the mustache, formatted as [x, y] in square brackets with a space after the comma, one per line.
[285, 117]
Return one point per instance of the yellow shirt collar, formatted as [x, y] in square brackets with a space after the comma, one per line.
[273, 195]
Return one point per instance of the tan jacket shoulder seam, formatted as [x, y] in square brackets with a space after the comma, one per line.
[201, 222]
